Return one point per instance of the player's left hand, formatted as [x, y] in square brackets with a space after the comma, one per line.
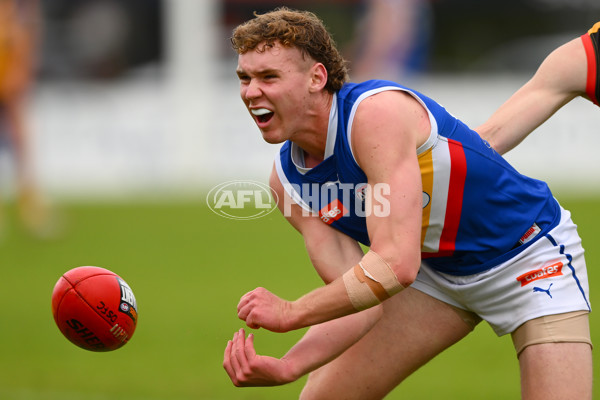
[246, 368]
[262, 309]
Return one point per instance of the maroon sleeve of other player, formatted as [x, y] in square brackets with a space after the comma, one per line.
[591, 43]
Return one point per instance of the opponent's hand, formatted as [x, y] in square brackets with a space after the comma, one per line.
[261, 308]
[246, 368]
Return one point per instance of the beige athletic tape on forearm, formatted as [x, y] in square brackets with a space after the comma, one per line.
[371, 282]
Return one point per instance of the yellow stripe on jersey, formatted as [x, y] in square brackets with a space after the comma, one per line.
[595, 28]
[426, 166]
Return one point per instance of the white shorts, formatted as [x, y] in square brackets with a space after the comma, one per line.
[547, 278]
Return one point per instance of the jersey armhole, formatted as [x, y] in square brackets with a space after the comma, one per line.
[288, 187]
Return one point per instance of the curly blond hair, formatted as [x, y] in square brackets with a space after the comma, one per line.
[293, 28]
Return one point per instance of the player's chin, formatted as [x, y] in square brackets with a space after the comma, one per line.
[271, 137]
[273, 141]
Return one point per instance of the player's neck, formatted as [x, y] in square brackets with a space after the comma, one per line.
[313, 139]
[313, 144]
[311, 161]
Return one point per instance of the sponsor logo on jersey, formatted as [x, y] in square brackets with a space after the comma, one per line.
[542, 290]
[547, 271]
[530, 234]
[332, 212]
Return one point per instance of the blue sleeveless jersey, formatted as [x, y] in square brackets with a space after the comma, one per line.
[478, 211]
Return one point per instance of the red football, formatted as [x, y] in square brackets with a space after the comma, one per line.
[94, 308]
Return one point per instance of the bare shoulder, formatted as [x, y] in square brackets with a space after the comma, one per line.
[394, 118]
[389, 104]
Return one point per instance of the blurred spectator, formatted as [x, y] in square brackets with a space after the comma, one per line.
[101, 39]
[98, 34]
[19, 34]
[392, 40]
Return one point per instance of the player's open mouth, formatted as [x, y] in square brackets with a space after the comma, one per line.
[262, 114]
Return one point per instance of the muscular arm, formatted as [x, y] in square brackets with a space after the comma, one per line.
[560, 78]
[330, 252]
[388, 129]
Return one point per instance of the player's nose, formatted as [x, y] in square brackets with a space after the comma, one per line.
[252, 90]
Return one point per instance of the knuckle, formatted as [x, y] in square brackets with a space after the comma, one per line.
[241, 378]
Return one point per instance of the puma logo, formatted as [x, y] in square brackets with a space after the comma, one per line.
[547, 291]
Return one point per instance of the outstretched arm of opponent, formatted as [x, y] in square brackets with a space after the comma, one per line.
[560, 78]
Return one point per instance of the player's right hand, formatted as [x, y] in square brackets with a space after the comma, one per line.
[262, 309]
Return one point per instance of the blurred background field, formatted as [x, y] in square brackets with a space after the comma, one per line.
[135, 115]
[188, 268]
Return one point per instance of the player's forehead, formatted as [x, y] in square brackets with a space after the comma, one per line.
[271, 57]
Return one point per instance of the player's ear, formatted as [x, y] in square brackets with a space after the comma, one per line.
[318, 77]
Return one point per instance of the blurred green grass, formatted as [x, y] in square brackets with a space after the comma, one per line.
[188, 268]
